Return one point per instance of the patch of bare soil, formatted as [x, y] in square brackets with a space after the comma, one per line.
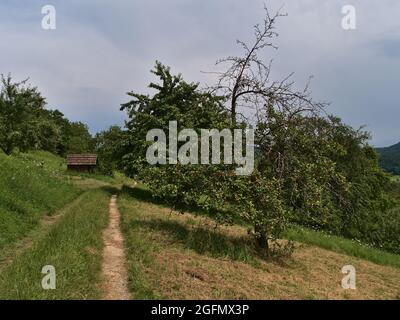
[115, 275]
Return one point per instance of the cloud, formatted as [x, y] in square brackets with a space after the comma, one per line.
[389, 47]
[102, 49]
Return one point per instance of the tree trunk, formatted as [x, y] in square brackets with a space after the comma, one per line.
[262, 238]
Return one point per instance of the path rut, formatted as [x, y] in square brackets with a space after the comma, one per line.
[115, 275]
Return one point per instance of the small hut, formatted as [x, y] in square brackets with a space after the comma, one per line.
[82, 162]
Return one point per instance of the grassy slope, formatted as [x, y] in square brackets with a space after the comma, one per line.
[205, 264]
[345, 246]
[73, 246]
[200, 262]
[30, 188]
[36, 231]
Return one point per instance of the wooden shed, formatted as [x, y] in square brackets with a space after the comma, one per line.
[82, 162]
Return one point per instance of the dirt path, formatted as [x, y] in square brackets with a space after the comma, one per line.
[115, 275]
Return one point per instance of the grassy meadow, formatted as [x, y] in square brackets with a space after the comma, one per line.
[49, 216]
[31, 188]
[73, 246]
[175, 256]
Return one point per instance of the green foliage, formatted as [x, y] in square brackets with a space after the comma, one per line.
[79, 140]
[174, 100]
[214, 188]
[330, 177]
[389, 158]
[311, 169]
[109, 146]
[25, 124]
[20, 108]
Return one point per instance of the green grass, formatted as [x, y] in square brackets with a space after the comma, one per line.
[138, 228]
[49, 162]
[191, 234]
[204, 240]
[118, 178]
[342, 245]
[35, 185]
[30, 187]
[300, 234]
[73, 246]
[395, 178]
[157, 239]
[138, 249]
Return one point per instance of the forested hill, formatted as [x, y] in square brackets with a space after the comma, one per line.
[390, 158]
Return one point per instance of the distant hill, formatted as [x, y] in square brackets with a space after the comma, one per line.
[389, 158]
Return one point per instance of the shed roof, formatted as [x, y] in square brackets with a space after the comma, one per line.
[81, 159]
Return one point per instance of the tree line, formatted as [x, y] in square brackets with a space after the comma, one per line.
[26, 124]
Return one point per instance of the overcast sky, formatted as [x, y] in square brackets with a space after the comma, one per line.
[102, 49]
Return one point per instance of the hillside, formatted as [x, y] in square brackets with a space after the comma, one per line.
[30, 189]
[202, 262]
[390, 158]
[207, 263]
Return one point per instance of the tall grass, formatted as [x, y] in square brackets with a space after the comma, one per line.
[73, 247]
[343, 245]
[30, 188]
[203, 240]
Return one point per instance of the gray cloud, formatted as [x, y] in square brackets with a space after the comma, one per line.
[102, 49]
[389, 47]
